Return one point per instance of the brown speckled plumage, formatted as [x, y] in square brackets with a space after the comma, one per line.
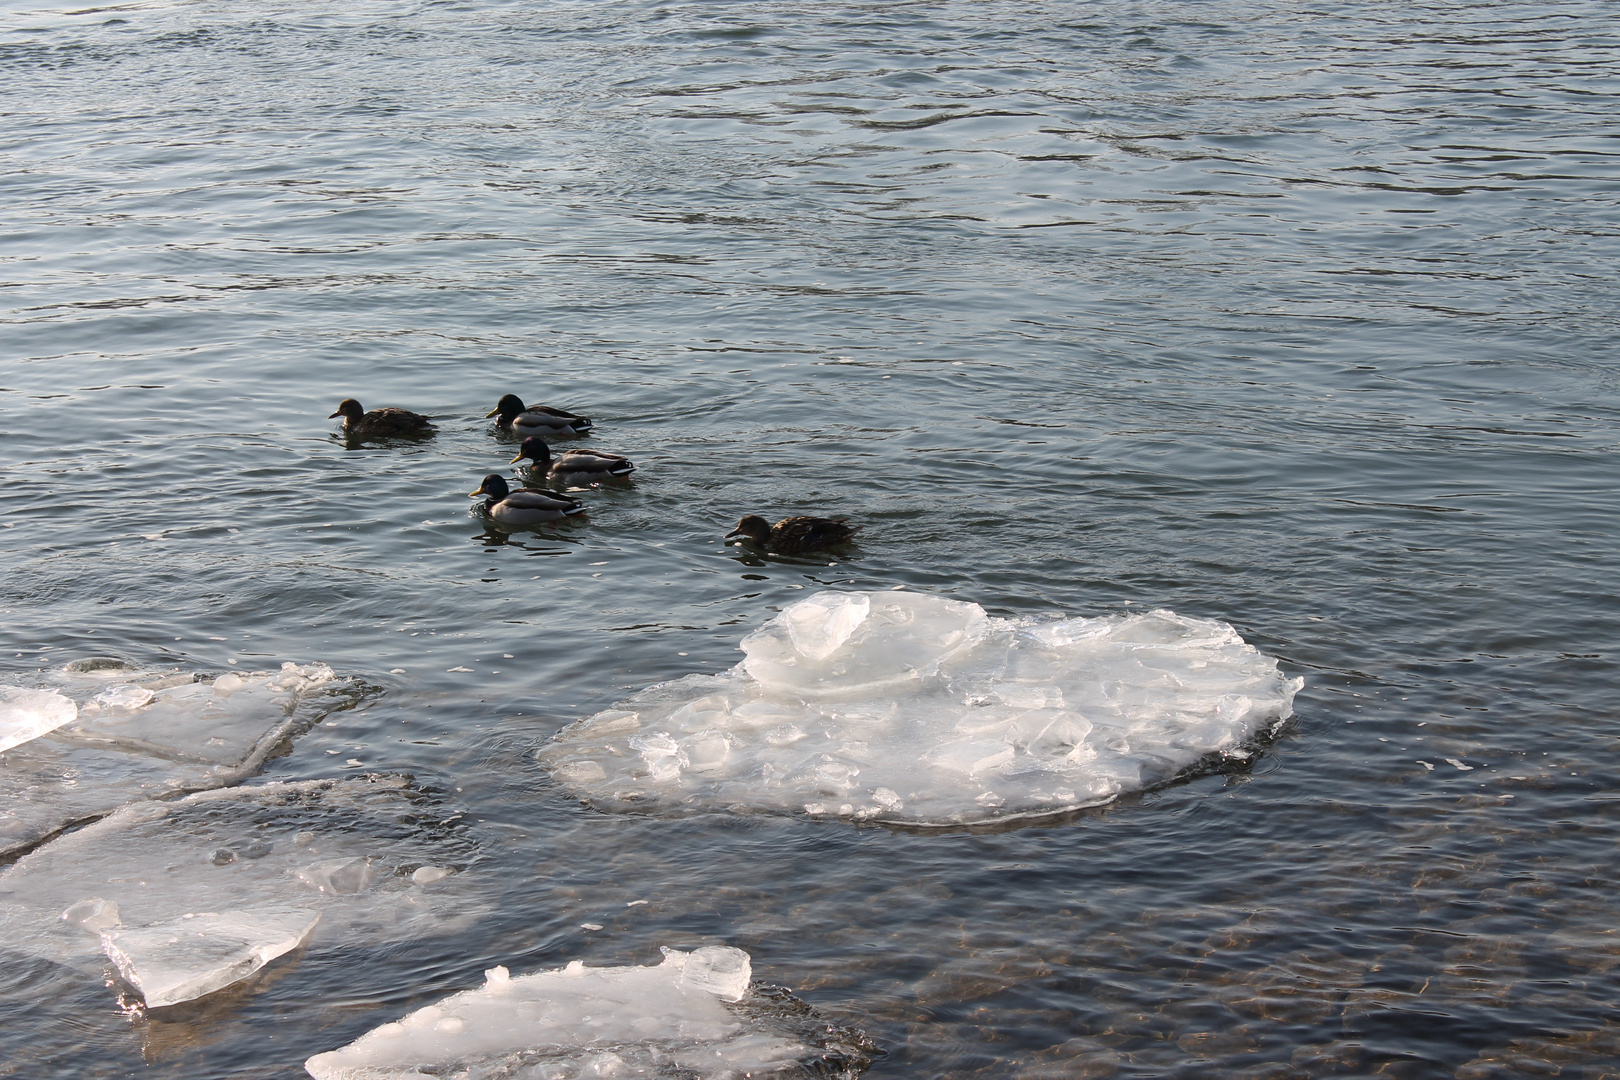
[795, 534]
[380, 423]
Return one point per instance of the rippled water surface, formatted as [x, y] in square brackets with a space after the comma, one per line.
[1299, 316]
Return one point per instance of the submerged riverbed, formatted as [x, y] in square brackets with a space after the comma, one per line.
[1294, 318]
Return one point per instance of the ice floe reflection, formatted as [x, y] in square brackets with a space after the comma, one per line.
[907, 707]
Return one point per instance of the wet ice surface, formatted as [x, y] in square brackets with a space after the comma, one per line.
[670, 1019]
[149, 734]
[907, 707]
[182, 895]
[27, 714]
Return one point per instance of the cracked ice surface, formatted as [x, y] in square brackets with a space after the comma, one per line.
[126, 734]
[670, 1019]
[910, 707]
[183, 894]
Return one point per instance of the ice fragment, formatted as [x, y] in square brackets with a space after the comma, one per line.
[198, 954]
[338, 876]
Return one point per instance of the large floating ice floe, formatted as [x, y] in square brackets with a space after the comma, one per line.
[913, 708]
[103, 733]
[189, 896]
[691, 1016]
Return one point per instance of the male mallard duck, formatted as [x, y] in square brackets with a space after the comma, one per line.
[575, 468]
[524, 507]
[380, 423]
[792, 535]
[524, 419]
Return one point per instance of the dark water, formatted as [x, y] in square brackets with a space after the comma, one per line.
[1299, 316]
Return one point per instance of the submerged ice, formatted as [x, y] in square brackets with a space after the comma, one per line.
[671, 1019]
[189, 896]
[104, 733]
[909, 707]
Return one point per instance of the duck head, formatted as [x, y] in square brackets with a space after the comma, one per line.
[509, 406]
[753, 527]
[494, 486]
[534, 449]
[351, 411]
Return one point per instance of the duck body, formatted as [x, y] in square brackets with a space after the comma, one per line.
[573, 468]
[524, 506]
[795, 534]
[540, 420]
[380, 423]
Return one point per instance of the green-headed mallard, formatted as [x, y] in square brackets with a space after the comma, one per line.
[574, 468]
[795, 534]
[380, 423]
[525, 506]
[523, 419]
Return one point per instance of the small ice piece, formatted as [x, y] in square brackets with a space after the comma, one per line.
[125, 696]
[1021, 696]
[663, 755]
[715, 969]
[427, 875]
[338, 876]
[707, 751]
[561, 1023]
[901, 639]
[198, 954]
[579, 773]
[93, 915]
[1459, 765]
[819, 624]
[27, 714]
[970, 756]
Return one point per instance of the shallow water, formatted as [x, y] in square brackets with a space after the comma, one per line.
[1294, 316]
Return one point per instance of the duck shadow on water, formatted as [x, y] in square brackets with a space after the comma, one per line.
[497, 534]
[749, 555]
[407, 443]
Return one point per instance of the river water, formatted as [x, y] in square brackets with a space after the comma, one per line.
[1298, 316]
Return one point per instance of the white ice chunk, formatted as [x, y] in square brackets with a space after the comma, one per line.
[27, 714]
[819, 625]
[198, 954]
[901, 638]
[577, 1021]
[916, 708]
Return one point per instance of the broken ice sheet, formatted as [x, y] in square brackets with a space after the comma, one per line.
[692, 1016]
[913, 708]
[346, 850]
[151, 735]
